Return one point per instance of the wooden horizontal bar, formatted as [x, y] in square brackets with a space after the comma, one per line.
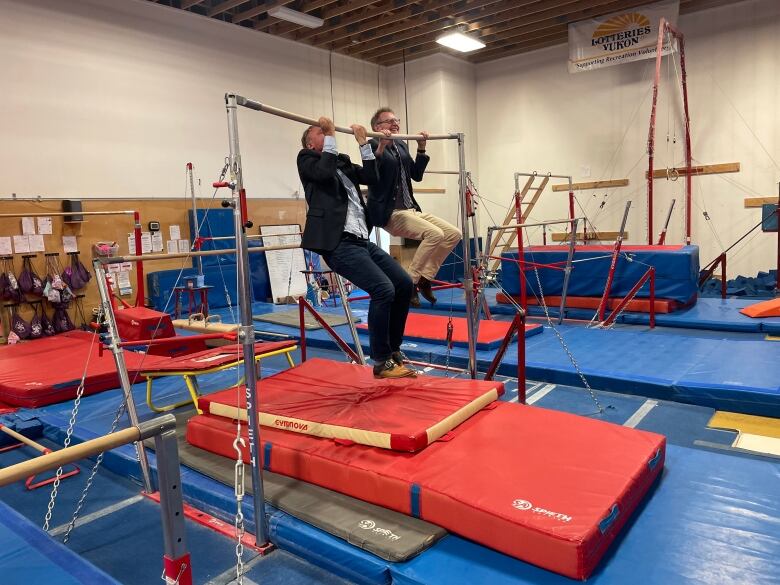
[697, 170]
[592, 185]
[566, 236]
[759, 201]
[429, 190]
[66, 213]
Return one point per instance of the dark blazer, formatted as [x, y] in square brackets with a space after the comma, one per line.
[327, 197]
[381, 196]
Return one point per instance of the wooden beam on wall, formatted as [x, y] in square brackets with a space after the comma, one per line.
[752, 202]
[592, 185]
[697, 170]
[603, 236]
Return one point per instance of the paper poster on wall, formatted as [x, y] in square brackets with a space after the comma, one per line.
[131, 243]
[284, 266]
[70, 244]
[5, 246]
[44, 225]
[146, 242]
[184, 246]
[28, 226]
[173, 246]
[157, 242]
[21, 244]
[619, 37]
[174, 232]
[36, 243]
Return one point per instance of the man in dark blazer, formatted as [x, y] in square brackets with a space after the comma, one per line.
[338, 226]
[398, 210]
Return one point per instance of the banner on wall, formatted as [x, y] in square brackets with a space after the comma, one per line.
[620, 37]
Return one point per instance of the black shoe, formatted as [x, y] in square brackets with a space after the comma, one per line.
[399, 357]
[414, 302]
[424, 286]
[390, 369]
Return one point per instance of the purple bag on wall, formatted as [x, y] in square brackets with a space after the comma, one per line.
[29, 281]
[62, 322]
[46, 325]
[36, 327]
[18, 325]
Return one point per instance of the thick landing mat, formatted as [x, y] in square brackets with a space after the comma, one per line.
[344, 401]
[23, 382]
[292, 318]
[676, 276]
[711, 520]
[433, 329]
[28, 555]
[389, 535]
[212, 358]
[557, 503]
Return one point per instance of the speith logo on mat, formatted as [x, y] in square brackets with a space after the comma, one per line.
[621, 32]
[526, 505]
[371, 525]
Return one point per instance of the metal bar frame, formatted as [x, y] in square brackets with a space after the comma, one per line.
[664, 28]
[613, 264]
[662, 235]
[649, 274]
[303, 306]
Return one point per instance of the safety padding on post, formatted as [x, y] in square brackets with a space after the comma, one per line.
[178, 571]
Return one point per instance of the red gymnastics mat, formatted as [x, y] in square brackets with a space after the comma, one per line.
[49, 370]
[345, 402]
[634, 305]
[433, 329]
[213, 358]
[547, 487]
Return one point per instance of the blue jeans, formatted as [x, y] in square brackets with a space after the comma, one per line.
[369, 267]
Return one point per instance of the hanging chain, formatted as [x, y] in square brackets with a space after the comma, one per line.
[565, 346]
[239, 519]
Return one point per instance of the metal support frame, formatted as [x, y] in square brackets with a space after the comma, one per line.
[176, 560]
[662, 235]
[665, 28]
[195, 222]
[121, 367]
[350, 319]
[648, 275]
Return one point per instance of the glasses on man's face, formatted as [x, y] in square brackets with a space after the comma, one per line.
[391, 121]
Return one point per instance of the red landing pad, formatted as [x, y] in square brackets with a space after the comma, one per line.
[49, 370]
[433, 329]
[345, 402]
[547, 487]
[634, 305]
[770, 308]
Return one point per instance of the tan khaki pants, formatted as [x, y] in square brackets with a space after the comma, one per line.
[437, 239]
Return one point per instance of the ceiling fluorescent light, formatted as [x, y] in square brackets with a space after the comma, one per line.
[307, 20]
[460, 41]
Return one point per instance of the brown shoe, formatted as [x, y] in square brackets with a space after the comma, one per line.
[414, 302]
[424, 286]
[390, 369]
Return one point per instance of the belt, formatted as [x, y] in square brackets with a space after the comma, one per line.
[352, 237]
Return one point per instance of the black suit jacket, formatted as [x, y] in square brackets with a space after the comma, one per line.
[381, 196]
[327, 197]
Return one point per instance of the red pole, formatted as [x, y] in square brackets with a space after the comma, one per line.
[652, 297]
[520, 252]
[302, 319]
[651, 133]
[723, 284]
[521, 358]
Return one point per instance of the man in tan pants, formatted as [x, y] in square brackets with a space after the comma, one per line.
[393, 206]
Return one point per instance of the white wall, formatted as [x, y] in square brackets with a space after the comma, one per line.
[110, 98]
[534, 115]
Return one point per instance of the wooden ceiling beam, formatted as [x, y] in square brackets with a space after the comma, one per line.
[491, 15]
[534, 14]
[401, 31]
[187, 4]
[223, 7]
[355, 15]
[257, 10]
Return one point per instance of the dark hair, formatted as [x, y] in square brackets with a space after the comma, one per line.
[379, 112]
[305, 136]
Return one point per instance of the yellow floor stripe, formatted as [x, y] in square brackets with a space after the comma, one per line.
[746, 423]
[772, 338]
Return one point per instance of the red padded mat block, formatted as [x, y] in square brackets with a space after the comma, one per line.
[434, 327]
[214, 357]
[24, 382]
[345, 401]
[547, 487]
[140, 323]
[635, 304]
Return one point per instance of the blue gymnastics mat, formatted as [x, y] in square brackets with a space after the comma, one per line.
[712, 518]
[29, 555]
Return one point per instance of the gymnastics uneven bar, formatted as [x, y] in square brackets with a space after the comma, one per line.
[236, 184]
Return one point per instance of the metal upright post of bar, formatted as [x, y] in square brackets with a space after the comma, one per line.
[468, 274]
[121, 367]
[246, 330]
